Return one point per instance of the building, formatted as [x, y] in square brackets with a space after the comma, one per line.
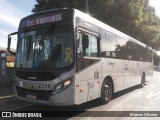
[6, 59]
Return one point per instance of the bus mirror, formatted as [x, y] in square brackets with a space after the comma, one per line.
[9, 46]
[85, 41]
[9, 43]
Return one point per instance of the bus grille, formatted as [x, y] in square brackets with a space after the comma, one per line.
[40, 95]
[40, 76]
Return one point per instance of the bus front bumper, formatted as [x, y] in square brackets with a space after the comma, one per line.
[61, 98]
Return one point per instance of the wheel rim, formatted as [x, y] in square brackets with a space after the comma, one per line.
[107, 91]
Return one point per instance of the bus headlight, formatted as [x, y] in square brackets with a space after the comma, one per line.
[66, 83]
[62, 85]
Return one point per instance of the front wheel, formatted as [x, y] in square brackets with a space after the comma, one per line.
[106, 92]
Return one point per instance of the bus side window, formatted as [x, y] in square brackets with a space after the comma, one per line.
[90, 45]
[85, 44]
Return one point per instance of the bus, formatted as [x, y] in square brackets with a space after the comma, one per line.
[66, 57]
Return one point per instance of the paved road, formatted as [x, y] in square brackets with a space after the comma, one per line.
[133, 99]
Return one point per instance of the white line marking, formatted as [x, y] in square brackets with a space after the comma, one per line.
[7, 96]
[19, 107]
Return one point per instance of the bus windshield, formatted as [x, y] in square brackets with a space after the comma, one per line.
[45, 48]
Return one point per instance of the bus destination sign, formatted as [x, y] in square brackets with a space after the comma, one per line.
[44, 19]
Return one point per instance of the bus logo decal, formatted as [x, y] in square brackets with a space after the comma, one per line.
[111, 63]
[31, 86]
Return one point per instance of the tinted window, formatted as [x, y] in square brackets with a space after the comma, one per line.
[121, 47]
[108, 45]
[115, 46]
[92, 49]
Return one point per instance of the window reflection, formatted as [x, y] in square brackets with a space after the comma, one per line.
[44, 50]
[125, 48]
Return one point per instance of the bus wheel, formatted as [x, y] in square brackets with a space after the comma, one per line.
[106, 92]
[142, 80]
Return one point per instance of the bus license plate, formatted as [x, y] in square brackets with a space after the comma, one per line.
[33, 97]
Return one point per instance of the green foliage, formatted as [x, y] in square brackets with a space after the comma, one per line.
[156, 59]
[133, 17]
[52, 4]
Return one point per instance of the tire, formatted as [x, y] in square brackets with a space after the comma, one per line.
[106, 92]
[142, 80]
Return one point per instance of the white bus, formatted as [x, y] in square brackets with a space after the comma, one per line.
[66, 57]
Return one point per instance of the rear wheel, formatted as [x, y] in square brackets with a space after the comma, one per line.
[106, 92]
[142, 80]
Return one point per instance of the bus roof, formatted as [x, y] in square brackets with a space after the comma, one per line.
[92, 20]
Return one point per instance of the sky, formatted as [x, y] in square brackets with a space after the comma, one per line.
[12, 11]
[156, 5]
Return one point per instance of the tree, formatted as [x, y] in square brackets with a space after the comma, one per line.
[133, 17]
[52, 4]
[156, 59]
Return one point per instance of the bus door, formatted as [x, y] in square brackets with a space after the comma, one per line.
[88, 65]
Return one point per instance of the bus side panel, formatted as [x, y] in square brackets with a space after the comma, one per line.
[133, 70]
[113, 67]
[89, 82]
[137, 72]
[130, 73]
[141, 69]
[126, 73]
[146, 68]
[149, 72]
